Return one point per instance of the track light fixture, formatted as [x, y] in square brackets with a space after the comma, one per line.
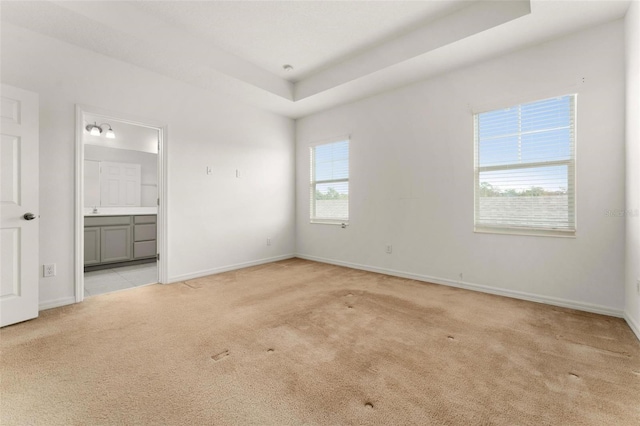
[95, 130]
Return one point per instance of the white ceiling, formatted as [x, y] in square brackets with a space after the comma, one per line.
[306, 34]
[341, 50]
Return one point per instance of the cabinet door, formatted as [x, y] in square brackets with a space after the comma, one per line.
[91, 246]
[115, 243]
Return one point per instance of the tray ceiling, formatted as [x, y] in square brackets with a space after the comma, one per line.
[341, 51]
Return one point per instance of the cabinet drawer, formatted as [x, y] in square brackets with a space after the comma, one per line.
[145, 219]
[106, 220]
[144, 249]
[144, 232]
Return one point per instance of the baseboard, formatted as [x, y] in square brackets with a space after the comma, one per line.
[564, 303]
[56, 303]
[221, 269]
[635, 327]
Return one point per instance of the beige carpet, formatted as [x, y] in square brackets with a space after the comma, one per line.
[297, 342]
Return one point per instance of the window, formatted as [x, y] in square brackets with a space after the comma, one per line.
[525, 168]
[329, 189]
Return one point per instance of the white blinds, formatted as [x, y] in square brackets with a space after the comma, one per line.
[329, 189]
[525, 167]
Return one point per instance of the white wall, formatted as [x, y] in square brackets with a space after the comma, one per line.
[215, 221]
[632, 27]
[412, 177]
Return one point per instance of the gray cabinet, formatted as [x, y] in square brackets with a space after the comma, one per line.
[91, 246]
[117, 239]
[115, 243]
[144, 236]
[107, 239]
[106, 220]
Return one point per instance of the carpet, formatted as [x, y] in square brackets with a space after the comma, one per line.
[303, 343]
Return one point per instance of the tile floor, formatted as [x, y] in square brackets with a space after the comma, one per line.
[109, 280]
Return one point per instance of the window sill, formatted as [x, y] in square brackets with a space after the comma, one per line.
[526, 232]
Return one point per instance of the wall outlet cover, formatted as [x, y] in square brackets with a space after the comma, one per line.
[49, 270]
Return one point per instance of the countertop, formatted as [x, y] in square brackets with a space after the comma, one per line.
[120, 211]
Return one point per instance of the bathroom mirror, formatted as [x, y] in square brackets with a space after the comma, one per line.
[119, 172]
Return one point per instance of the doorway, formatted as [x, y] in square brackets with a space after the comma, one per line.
[120, 199]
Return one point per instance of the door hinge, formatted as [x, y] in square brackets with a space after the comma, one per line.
[158, 201]
[157, 256]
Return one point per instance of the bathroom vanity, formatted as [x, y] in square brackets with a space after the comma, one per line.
[119, 239]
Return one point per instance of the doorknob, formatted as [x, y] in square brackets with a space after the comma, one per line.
[29, 216]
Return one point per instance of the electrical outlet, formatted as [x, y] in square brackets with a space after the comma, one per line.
[389, 249]
[49, 270]
[209, 170]
[461, 276]
[268, 241]
[237, 173]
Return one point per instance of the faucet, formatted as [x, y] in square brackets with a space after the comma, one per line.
[95, 210]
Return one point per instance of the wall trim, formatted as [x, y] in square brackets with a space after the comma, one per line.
[64, 301]
[635, 327]
[588, 307]
[56, 303]
[564, 303]
[204, 273]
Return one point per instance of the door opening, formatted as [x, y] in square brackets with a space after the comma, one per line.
[120, 199]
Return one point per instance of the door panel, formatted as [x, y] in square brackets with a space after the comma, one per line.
[19, 258]
[10, 284]
[10, 170]
[120, 184]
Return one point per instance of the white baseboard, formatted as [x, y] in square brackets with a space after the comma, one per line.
[221, 269]
[635, 327]
[56, 303]
[564, 303]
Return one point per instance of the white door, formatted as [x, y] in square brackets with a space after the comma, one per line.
[120, 184]
[19, 257]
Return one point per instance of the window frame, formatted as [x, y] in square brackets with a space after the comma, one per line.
[314, 183]
[571, 176]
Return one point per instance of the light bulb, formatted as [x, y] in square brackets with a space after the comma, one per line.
[95, 131]
[110, 134]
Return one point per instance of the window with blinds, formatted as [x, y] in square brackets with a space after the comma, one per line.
[525, 168]
[329, 189]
